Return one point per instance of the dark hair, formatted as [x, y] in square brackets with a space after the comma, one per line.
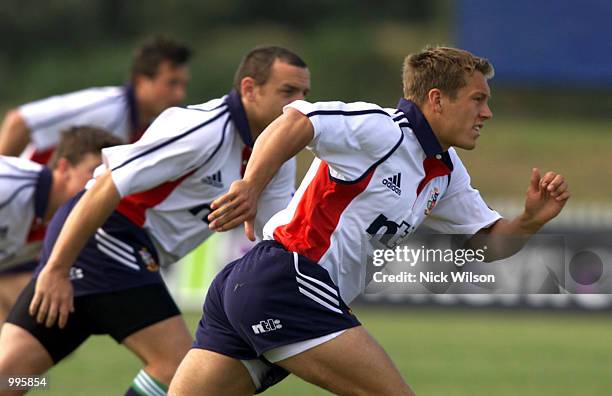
[258, 62]
[76, 142]
[152, 53]
[444, 68]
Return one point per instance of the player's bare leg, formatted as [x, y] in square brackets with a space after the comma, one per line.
[351, 364]
[11, 286]
[21, 354]
[207, 373]
[161, 347]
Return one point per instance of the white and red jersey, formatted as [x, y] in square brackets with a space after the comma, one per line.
[185, 160]
[109, 108]
[24, 194]
[379, 173]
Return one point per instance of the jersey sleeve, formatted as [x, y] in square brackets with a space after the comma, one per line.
[276, 196]
[179, 141]
[350, 137]
[47, 118]
[462, 209]
[20, 180]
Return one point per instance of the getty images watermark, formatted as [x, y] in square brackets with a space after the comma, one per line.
[435, 263]
[411, 257]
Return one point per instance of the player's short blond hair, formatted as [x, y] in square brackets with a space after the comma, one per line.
[443, 68]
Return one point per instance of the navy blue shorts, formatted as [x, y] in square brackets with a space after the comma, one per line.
[119, 256]
[267, 299]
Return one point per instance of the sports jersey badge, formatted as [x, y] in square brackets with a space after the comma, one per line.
[148, 260]
[432, 201]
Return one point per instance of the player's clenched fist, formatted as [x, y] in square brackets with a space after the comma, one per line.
[546, 197]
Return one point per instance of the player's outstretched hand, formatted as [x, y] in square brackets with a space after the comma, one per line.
[237, 206]
[53, 297]
[546, 197]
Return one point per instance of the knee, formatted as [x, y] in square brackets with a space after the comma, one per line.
[161, 370]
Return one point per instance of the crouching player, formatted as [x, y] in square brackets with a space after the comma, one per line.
[148, 207]
[29, 196]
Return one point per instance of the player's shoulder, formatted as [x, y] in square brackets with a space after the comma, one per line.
[16, 174]
[209, 109]
[213, 105]
[103, 92]
[93, 94]
[340, 108]
[203, 111]
[201, 114]
[18, 166]
[177, 120]
[83, 97]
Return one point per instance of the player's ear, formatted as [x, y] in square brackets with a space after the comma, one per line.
[62, 168]
[139, 79]
[62, 165]
[247, 88]
[434, 98]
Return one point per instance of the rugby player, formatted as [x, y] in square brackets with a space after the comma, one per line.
[30, 194]
[148, 207]
[283, 307]
[158, 80]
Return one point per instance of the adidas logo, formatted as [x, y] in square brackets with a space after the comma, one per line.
[213, 180]
[266, 326]
[393, 183]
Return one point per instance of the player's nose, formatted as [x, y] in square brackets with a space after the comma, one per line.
[486, 112]
[180, 94]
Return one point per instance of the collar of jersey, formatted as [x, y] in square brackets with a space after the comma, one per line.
[42, 192]
[239, 117]
[132, 106]
[423, 132]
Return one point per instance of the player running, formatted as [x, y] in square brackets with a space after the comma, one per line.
[148, 207]
[283, 306]
[158, 80]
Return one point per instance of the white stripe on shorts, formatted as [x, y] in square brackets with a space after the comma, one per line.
[318, 291]
[114, 240]
[318, 282]
[114, 248]
[117, 258]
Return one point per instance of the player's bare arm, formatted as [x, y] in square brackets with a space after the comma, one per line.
[52, 299]
[14, 134]
[281, 140]
[545, 198]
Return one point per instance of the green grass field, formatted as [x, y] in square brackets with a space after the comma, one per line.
[440, 352]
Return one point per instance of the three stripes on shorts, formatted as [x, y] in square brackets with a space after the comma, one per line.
[316, 290]
[116, 249]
